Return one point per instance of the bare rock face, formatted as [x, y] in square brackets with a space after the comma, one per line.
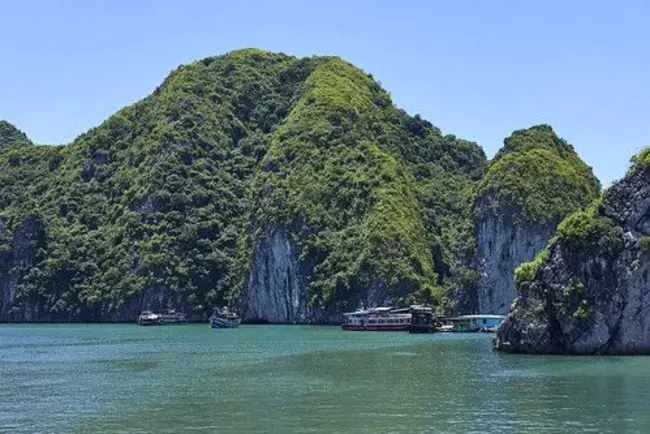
[502, 246]
[27, 238]
[591, 294]
[275, 288]
[275, 285]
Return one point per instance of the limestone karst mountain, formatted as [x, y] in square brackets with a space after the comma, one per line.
[290, 189]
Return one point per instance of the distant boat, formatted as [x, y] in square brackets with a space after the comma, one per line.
[170, 316]
[377, 319]
[224, 320]
[423, 320]
[167, 317]
[472, 324]
[148, 318]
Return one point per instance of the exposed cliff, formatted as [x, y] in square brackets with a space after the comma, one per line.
[290, 188]
[589, 292]
[534, 181]
[19, 253]
[503, 244]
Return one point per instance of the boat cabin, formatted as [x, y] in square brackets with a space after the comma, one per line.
[376, 319]
[423, 319]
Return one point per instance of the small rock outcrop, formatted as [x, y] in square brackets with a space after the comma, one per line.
[589, 292]
[534, 181]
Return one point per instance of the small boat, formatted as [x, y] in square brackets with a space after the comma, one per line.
[423, 319]
[472, 324]
[168, 317]
[224, 319]
[147, 318]
[377, 319]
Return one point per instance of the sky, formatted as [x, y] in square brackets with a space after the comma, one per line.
[477, 69]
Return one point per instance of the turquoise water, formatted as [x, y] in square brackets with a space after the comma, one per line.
[295, 379]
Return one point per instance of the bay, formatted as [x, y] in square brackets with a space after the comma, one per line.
[301, 379]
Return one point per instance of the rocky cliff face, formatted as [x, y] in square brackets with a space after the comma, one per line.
[590, 294]
[274, 289]
[502, 247]
[27, 240]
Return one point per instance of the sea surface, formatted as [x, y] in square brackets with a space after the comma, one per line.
[300, 379]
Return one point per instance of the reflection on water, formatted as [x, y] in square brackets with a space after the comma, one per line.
[112, 378]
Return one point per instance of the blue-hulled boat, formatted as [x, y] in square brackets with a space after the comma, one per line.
[224, 320]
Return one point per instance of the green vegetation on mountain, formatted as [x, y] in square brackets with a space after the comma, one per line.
[585, 231]
[527, 270]
[538, 177]
[357, 172]
[163, 203]
[11, 137]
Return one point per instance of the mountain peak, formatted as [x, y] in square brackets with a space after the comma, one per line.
[11, 137]
[540, 136]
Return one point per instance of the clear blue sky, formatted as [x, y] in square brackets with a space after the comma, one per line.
[475, 68]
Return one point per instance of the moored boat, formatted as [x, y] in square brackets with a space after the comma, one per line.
[147, 318]
[423, 320]
[167, 317]
[170, 316]
[377, 319]
[472, 324]
[224, 319]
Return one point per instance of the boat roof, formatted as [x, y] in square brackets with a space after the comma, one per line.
[372, 310]
[479, 316]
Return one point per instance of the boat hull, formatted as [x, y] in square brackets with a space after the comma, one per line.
[148, 323]
[422, 329]
[376, 327]
[452, 330]
[171, 317]
[222, 324]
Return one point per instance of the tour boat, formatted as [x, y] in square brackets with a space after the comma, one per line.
[224, 320]
[423, 320]
[473, 324]
[167, 317]
[170, 316]
[148, 318]
[377, 319]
